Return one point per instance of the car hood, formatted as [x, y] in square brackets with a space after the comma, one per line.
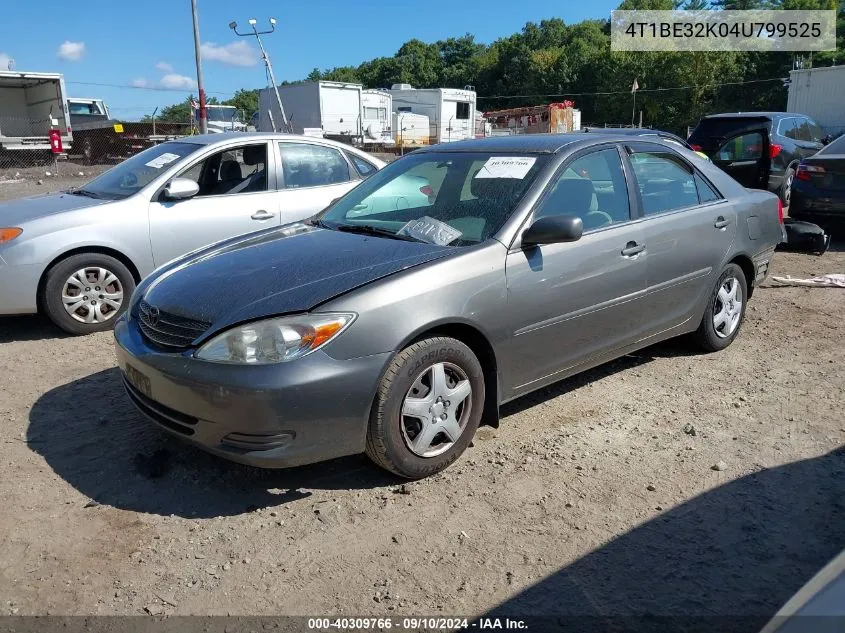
[20, 211]
[281, 271]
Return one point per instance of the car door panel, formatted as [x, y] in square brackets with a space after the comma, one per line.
[745, 157]
[177, 227]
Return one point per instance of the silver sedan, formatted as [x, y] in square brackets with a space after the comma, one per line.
[77, 255]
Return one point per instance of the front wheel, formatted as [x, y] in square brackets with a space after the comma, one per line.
[725, 310]
[785, 192]
[86, 293]
[427, 409]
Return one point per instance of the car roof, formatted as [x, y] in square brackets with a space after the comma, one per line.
[758, 115]
[526, 143]
[209, 139]
[627, 131]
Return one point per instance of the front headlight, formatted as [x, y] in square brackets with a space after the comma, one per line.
[274, 340]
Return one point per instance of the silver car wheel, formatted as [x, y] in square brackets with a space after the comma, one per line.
[92, 295]
[436, 409]
[727, 310]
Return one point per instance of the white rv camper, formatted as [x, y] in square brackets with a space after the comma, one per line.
[377, 106]
[411, 130]
[451, 111]
[332, 106]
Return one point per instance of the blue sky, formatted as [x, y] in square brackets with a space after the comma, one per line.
[151, 44]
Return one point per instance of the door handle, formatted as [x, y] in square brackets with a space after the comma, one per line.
[632, 249]
[721, 223]
[262, 215]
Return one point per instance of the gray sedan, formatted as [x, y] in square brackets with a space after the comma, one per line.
[397, 331]
[77, 255]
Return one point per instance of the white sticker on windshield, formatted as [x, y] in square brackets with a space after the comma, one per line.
[506, 167]
[430, 230]
[161, 161]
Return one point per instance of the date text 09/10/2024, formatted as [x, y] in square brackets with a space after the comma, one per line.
[415, 624]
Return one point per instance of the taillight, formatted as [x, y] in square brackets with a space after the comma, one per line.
[805, 172]
[696, 148]
[780, 211]
[426, 190]
[68, 130]
[774, 150]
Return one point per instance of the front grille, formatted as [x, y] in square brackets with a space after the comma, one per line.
[169, 330]
[165, 416]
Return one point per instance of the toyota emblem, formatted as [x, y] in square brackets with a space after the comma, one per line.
[154, 314]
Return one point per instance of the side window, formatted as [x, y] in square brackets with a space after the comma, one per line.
[815, 133]
[666, 183]
[745, 147]
[788, 128]
[706, 193]
[364, 168]
[307, 165]
[591, 187]
[236, 170]
[462, 110]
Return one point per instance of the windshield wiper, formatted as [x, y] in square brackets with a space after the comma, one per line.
[368, 229]
[84, 192]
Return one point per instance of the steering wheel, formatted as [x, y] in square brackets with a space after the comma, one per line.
[606, 219]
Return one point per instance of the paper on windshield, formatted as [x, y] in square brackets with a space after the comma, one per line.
[506, 167]
[161, 161]
[430, 230]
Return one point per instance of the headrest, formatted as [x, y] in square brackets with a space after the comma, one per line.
[571, 195]
[230, 170]
[493, 187]
[255, 154]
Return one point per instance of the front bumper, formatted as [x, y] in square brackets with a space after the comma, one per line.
[272, 416]
[19, 288]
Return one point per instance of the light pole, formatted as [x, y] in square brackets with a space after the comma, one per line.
[203, 115]
[234, 26]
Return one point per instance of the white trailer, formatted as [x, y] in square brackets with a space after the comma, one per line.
[451, 111]
[32, 104]
[377, 106]
[332, 106]
[411, 130]
[820, 94]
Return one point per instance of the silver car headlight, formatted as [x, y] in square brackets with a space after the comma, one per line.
[274, 340]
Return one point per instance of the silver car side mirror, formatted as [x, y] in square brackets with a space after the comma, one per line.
[181, 189]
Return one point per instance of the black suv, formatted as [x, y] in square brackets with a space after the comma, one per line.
[761, 150]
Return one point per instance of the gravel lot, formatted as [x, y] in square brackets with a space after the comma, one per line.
[668, 483]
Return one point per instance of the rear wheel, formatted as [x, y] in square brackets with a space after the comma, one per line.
[428, 408]
[725, 310]
[87, 292]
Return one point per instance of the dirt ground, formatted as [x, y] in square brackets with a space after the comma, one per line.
[669, 483]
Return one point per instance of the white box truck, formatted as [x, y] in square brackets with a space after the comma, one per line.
[377, 106]
[820, 94]
[332, 106]
[32, 104]
[451, 111]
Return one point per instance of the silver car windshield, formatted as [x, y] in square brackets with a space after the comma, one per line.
[455, 199]
[130, 176]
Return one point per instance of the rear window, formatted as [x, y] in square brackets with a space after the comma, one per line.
[712, 129]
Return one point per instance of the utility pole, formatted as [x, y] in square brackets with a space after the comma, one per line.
[234, 26]
[203, 114]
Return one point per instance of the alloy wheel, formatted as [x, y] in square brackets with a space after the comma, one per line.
[727, 309]
[92, 295]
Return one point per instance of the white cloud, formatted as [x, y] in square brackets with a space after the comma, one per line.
[176, 81]
[140, 82]
[235, 54]
[71, 51]
[164, 67]
[4, 61]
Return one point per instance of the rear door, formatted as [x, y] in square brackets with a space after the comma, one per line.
[745, 157]
[310, 176]
[688, 227]
[236, 197]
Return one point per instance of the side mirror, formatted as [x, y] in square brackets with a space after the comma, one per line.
[181, 189]
[553, 229]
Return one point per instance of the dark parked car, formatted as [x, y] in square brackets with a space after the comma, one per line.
[818, 191]
[760, 150]
[398, 330]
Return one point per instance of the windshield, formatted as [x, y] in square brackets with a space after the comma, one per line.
[457, 199]
[222, 114]
[130, 176]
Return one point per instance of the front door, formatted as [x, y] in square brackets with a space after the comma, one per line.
[574, 302]
[235, 197]
[745, 157]
[688, 228]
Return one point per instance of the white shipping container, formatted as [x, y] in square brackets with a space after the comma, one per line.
[411, 129]
[377, 106]
[334, 107]
[820, 94]
[451, 111]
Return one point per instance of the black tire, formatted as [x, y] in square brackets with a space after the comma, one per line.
[61, 272]
[707, 336]
[785, 191]
[386, 443]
